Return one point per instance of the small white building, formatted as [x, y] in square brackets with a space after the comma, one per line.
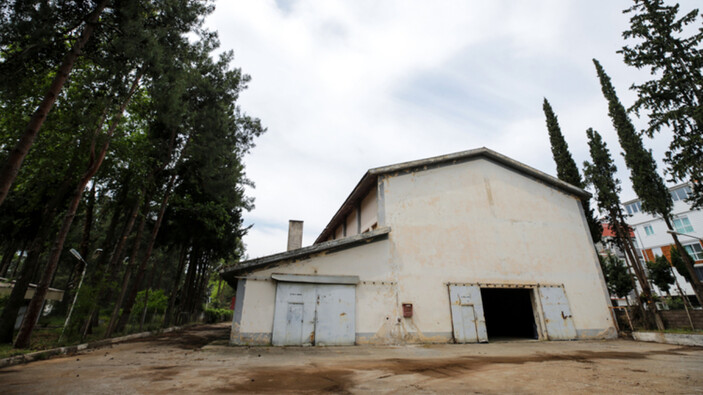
[651, 232]
[465, 247]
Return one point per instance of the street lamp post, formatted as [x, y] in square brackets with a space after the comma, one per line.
[75, 298]
[672, 232]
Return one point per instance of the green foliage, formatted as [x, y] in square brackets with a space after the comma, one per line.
[217, 315]
[678, 262]
[566, 167]
[675, 303]
[183, 122]
[156, 304]
[601, 175]
[674, 97]
[617, 275]
[646, 182]
[660, 273]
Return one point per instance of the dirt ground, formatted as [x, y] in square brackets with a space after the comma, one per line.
[199, 361]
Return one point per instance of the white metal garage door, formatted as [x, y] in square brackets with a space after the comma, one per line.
[317, 313]
[557, 314]
[468, 321]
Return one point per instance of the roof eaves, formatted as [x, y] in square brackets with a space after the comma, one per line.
[357, 193]
[229, 272]
[490, 154]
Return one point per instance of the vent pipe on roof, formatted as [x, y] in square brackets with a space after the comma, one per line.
[295, 234]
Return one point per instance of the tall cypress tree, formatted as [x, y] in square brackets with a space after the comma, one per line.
[646, 181]
[566, 167]
[601, 175]
[674, 97]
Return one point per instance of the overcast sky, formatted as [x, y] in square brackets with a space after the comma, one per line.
[344, 86]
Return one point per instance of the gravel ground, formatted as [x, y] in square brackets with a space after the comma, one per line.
[198, 360]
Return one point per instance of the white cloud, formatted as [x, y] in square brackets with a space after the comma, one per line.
[343, 86]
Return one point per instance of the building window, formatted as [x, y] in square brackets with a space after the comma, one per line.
[683, 225]
[699, 271]
[680, 193]
[633, 208]
[648, 230]
[695, 251]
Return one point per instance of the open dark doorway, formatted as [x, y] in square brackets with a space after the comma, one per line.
[508, 313]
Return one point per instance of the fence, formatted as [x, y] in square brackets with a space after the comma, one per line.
[629, 318]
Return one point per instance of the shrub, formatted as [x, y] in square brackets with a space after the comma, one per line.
[217, 315]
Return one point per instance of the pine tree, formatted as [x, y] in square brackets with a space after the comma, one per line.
[617, 276]
[601, 176]
[9, 171]
[674, 98]
[660, 273]
[646, 181]
[566, 167]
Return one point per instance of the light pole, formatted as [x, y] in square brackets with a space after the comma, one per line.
[683, 234]
[75, 298]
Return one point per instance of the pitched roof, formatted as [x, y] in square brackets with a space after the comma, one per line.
[229, 273]
[369, 180]
[609, 232]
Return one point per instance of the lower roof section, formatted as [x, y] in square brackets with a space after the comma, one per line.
[315, 279]
[230, 273]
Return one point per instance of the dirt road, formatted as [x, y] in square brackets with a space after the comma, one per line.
[199, 361]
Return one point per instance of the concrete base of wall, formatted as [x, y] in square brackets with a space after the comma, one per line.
[683, 339]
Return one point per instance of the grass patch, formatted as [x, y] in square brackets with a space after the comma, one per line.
[6, 351]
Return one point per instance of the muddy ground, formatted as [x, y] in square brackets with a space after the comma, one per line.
[199, 361]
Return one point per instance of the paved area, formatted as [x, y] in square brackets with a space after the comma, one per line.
[199, 361]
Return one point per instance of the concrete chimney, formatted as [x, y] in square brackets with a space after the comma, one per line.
[295, 234]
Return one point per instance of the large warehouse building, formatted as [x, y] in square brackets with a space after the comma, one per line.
[465, 247]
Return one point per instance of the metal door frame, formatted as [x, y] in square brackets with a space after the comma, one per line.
[535, 299]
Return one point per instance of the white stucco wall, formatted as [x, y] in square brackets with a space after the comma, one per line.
[375, 302]
[481, 222]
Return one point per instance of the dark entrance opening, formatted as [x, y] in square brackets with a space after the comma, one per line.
[508, 313]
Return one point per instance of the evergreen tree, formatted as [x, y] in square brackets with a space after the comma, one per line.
[16, 156]
[646, 181]
[677, 261]
[674, 98]
[617, 276]
[566, 167]
[601, 176]
[660, 273]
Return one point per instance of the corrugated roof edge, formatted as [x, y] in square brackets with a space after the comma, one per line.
[228, 273]
[366, 181]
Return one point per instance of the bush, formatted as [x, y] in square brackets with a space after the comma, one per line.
[675, 303]
[217, 315]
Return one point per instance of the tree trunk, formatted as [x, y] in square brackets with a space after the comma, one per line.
[696, 285]
[96, 270]
[31, 264]
[7, 257]
[149, 285]
[18, 262]
[84, 250]
[188, 285]
[104, 284]
[624, 231]
[176, 285]
[16, 157]
[116, 260]
[16, 299]
[147, 254]
[37, 302]
[128, 272]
